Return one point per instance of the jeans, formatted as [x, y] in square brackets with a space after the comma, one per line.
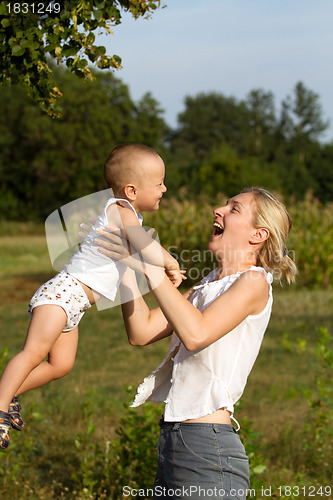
[200, 461]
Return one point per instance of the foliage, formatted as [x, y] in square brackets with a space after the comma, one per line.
[223, 169]
[91, 470]
[301, 118]
[220, 146]
[185, 226]
[131, 459]
[31, 33]
[320, 415]
[222, 142]
[46, 163]
[262, 122]
[313, 450]
[312, 241]
[320, 169]
[71, 423]
[135, 449]
[252, 441]
[100, 467]
[3, 358]
[208, 121]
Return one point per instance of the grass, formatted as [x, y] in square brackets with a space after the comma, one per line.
[94, 392]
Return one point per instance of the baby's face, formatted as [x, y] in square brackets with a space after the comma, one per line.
[151, 186]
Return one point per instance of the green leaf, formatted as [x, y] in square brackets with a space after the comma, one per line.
[29, 44]
[12, 41]
[99, 4]
[101, 50]
[37, 415]
[92, 55]
[113, 13]
[3, 9]
[5, 23]
[50, 47]
[98, 14]
[17, 50]
[259, 469]
[90, 38]
[69, 51]
[80, 63]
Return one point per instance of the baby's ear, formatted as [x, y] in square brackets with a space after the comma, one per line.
[130, 191]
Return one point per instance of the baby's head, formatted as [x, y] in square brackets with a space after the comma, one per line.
[136, 172]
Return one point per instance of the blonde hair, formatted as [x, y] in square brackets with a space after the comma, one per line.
[125, 164]
[271, 214]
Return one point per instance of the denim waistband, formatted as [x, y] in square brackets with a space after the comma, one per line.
[196, 425]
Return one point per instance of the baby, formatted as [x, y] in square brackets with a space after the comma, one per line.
[135, 173]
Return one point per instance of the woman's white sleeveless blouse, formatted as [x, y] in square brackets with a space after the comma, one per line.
[197, 383]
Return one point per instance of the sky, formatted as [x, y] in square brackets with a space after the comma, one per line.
[229, 47]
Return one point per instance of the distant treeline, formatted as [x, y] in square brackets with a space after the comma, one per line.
[221, 144]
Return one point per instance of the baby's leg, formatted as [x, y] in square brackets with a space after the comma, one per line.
[59, 363]
[47, 323]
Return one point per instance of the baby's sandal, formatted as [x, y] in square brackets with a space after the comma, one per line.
[5, 425]
[14, 413]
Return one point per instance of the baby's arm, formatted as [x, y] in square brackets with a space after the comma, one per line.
[172, 268]
[151, 251]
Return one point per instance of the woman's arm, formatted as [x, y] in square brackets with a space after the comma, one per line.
[143, 326]
[248, 295]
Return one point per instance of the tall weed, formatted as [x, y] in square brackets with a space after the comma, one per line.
[128, 463]
[185, 225]
[319, 422]
[312, 241]
[313, 447]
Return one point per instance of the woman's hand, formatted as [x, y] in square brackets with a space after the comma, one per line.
[151, 260]
[114, 244]
[86, 228]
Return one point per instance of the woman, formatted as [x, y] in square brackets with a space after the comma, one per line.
[217, 329]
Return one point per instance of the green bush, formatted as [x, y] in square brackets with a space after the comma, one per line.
[312, 241]
[184, 228]
[130, 460]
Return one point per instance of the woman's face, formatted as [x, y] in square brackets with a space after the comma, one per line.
[233, 226]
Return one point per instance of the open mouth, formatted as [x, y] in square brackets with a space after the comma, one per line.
[218, 229]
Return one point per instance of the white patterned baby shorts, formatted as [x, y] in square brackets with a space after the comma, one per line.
[65, 291]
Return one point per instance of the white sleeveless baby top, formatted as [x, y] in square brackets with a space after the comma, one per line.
[197, 383]
[94, 269]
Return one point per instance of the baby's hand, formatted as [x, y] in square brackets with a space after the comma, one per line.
[175, 275]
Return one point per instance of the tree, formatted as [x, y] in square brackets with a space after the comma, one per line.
[301, 121]
[320, 166]
[152, 125]
[47, 163]
[224, 171]
[262, 122]
[208, 121]
[33, 33]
